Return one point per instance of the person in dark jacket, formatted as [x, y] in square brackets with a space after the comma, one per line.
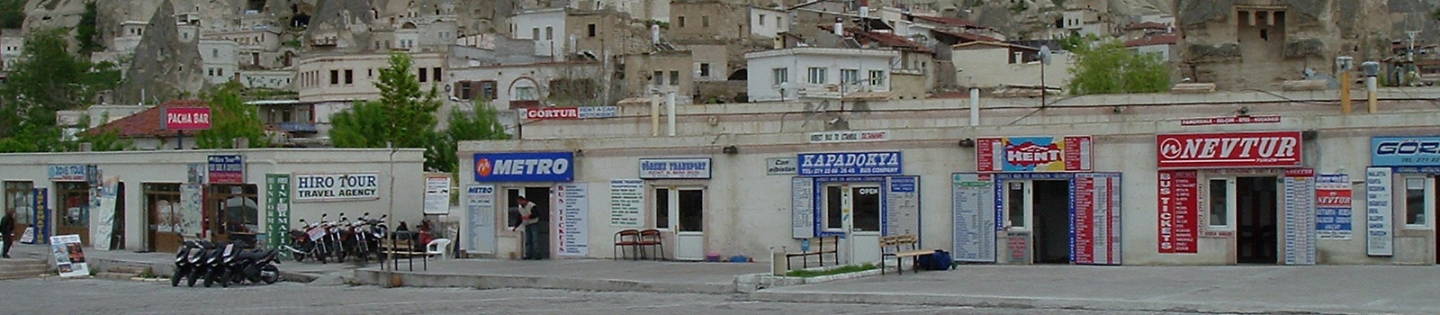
[7, 230]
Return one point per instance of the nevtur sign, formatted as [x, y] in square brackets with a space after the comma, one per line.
[1234, 150]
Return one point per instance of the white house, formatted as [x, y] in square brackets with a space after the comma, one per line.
[546, 27]
[768, 22]
[811, 72]
[985, 64]
[12, 44]
[516, 85]
[221, 60]
[1160, 45]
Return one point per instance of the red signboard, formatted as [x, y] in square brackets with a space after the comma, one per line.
[543, 113]
[186, 118]
[1238, 120]
[1233, 150]
[1179, 219]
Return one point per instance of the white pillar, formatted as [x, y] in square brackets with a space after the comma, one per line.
[974, 107]
[670, 113]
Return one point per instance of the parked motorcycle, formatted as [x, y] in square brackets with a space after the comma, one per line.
[183, 261]
[197, 261]
[255, 266]
[219, 265]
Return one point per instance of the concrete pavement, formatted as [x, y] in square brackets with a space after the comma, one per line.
[574, 274]
[164, 263]
[1224, 289]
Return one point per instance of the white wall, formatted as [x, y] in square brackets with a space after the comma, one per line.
[220, 58]
[527, 24]
[775, 22]
[977, 67]
[761, 86]
[278, 79]
[508, 78]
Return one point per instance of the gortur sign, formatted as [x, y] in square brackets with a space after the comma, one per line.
[337, 187]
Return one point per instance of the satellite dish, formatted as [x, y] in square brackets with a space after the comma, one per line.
[1045, 55]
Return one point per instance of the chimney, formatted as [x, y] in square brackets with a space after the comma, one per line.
[655, 34]
[839, 27]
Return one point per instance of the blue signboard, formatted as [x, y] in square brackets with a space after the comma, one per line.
[1405, 151]
[226, 169]
[525, 167]
[850, 163]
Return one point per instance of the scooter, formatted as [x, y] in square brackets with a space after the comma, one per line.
[256, 266]
[219, 263]
[182, 261]
[197, 261]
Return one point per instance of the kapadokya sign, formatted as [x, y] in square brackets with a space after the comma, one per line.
[186, 118]
[1405, 151]
[670, 168]
[850, 163]
[525, 167]
[1033, 154]
[1230, 150]
[226, 169]
[849, 136]
[337, 187]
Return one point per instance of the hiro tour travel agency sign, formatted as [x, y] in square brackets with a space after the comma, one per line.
[1229, 150]
[1033, 154]
[525, 167]
[337, 187]
[850, 163]
[675, 168]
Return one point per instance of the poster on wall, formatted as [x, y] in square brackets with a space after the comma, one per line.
[1378, 235]
[102, 213]
[1333, 198]
[40, 213]
[1033, 154]
[1017, 245]
[192, 199]
[437, 193]
[1299, 185]
[627, 203]
[69, 256]
[225, 169]
[480, 203]
[974, 209]
[277, 211]
[802, 211]
[903, 201]
[195, 173]
[572, 207]
[1097, 219]
[339, 187]
[1178, 216]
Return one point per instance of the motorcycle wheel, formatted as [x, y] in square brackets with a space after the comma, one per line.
[225, 278]
[175, 278]
[209, 278]
[270, 274]
[194, 275]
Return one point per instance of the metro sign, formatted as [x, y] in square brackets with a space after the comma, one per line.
[1234, 150]
[186, 118]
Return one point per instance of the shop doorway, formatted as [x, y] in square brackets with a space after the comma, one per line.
[540, 196]
[682, 210]
[18, 198]
[162, 204]
[232, 214]
[1256, 210]
[73, 205]
[1041, 207]
[117, 230]
[856, 206]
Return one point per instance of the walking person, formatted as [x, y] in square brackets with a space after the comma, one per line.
[7, 230]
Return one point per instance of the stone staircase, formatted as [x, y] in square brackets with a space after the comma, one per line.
[21, 268]
[122, 272]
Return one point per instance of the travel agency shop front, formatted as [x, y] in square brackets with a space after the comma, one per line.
[1401, 200]
[152, 200]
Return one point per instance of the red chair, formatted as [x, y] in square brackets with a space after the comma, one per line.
[652, 238]
[625, 238]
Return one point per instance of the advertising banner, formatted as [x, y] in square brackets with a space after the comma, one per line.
[192, 198]
[1033, 154]
[480, 203]
[903, 201]
[40, 209]
[525, 167]
[1179, 216]
[850, 163]
[780, 166]
[195, 173]
[437, 193]
[674, 168]
[69, 256]
[802, 208]
[573, 210]
[1333, 198]
[849, 136]
[186, 118]
[591, 112]
[974, 208]
[1379, 237]
[68, 173]
[339, 187]
[1405, 151]
[1236, 120]
[1097, 219]
[1230, 150]
[277, 211]
[226, 169]
[1299, 219]
[102, 213]
[627, 203]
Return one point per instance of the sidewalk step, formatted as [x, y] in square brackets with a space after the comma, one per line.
[115, 275]
[129, 269]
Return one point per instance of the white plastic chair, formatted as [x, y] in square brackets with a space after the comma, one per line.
[437, 247]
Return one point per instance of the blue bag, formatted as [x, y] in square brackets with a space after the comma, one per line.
[940, 260]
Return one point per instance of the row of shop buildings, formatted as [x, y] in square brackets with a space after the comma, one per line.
[152, 200]
[1249, 179]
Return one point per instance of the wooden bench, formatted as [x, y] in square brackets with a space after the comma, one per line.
[901, 246]
[402, 244]
[819, 249]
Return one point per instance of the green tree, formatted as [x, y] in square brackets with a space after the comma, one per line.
[481, 123]
[231, 118]
[1111, 68]
[404, 116]
[85, 32]
[48, 77]
[12, 13]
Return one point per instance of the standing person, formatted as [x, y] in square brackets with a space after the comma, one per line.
[7, 230]
[530, 220]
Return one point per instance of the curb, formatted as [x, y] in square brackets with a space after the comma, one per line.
[168, 268]
[1036, 303]
[480, 281]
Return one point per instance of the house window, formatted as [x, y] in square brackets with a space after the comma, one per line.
[549, 33]
[780, 75]
[674, 77]
[816, 75]
[705, 21]
[525, 93]
[535, 33]
[1416, 209]
[705, 70]
[334, 77]
[659, 78]
[423, 72]
[369, 73]
[435, 74]
[487, 90]
[849, 76]
[349, 76]
[682, 21]
[462, 90]
[1222, 199]
[877, 78]
[591, 29]
[778, 23]
[762, 20]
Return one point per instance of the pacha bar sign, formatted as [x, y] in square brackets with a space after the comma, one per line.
[850, 163]
[1237, 150]
[525, 167]
[332, 187]
[186, 118]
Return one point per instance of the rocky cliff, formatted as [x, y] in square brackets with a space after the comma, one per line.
[164, 67]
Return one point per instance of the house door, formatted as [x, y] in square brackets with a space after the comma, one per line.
[162, 203]
[682, 210]
[73, 205]
[18, 199]
[854, 209]
[1257, 234]
[1041, 208]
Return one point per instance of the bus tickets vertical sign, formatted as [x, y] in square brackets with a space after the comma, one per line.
[277, 211]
